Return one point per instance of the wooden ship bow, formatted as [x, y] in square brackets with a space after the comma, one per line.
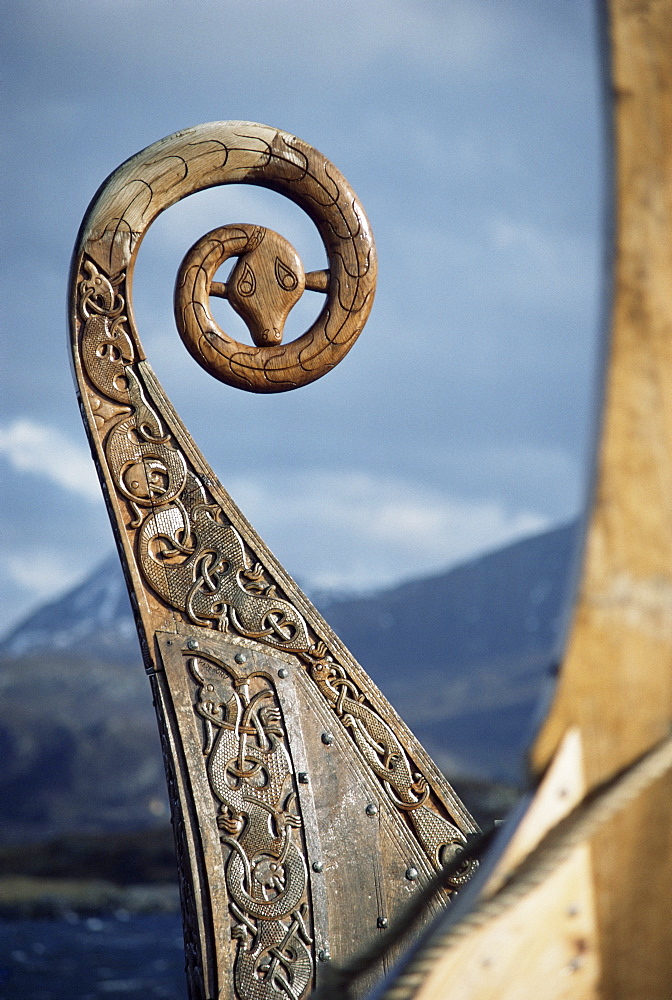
[307, 817]
[305, 813]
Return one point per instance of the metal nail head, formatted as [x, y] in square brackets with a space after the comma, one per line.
[327, 739]
[318, 866]
[372, 809]
[303, 777]
[323, 955]
[283, 672]
[192, 644]
[240, 658]
[411, 873]
[381, 922]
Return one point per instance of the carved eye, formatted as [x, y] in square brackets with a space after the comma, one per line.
[107, 350]
[247, 284]
[285, 276]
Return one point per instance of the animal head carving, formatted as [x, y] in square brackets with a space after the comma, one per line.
[216, 698]
[265, 285]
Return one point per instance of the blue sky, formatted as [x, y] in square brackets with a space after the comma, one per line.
[471, 131]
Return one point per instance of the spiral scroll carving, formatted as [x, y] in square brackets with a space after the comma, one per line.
[243, 152]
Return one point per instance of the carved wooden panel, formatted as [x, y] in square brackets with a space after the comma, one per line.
[305, 811]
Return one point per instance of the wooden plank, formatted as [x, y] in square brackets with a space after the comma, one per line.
[616, 681]
[501, 962]
[546, 943]
[615, 687]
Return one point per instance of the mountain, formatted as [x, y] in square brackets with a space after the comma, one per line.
[94, 618]
[465, 656]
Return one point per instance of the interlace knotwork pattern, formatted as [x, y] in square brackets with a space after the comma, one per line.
[253, 786]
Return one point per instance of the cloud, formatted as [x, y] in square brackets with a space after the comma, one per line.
[42, 573]
[522, 264]
[45, 451]
[41, 568]
[344, 37]
[356, 531]
[545, 264]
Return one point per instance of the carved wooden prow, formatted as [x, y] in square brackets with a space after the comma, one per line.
[305, 812]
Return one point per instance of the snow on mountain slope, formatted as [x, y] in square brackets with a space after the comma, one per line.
[94, 615]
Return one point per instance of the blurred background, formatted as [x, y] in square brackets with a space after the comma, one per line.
[432, 485]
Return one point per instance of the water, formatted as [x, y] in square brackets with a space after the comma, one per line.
[124, 956]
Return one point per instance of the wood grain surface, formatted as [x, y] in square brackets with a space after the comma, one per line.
[616, 681]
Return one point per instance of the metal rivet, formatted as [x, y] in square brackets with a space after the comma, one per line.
[381, 922]
[240, 658]
[411, 873]
[192, 644]
[303, 777]
[283, 672]
[327, 739]
[323, 955]
[318, 866]
[372, 809]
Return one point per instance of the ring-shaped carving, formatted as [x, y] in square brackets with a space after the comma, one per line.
[242, 153]
[265, 318]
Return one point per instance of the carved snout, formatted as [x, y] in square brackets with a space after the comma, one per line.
[265, 285]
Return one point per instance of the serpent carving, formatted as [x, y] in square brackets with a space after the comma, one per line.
[244, 153]
[195, 564]
[251, 777]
